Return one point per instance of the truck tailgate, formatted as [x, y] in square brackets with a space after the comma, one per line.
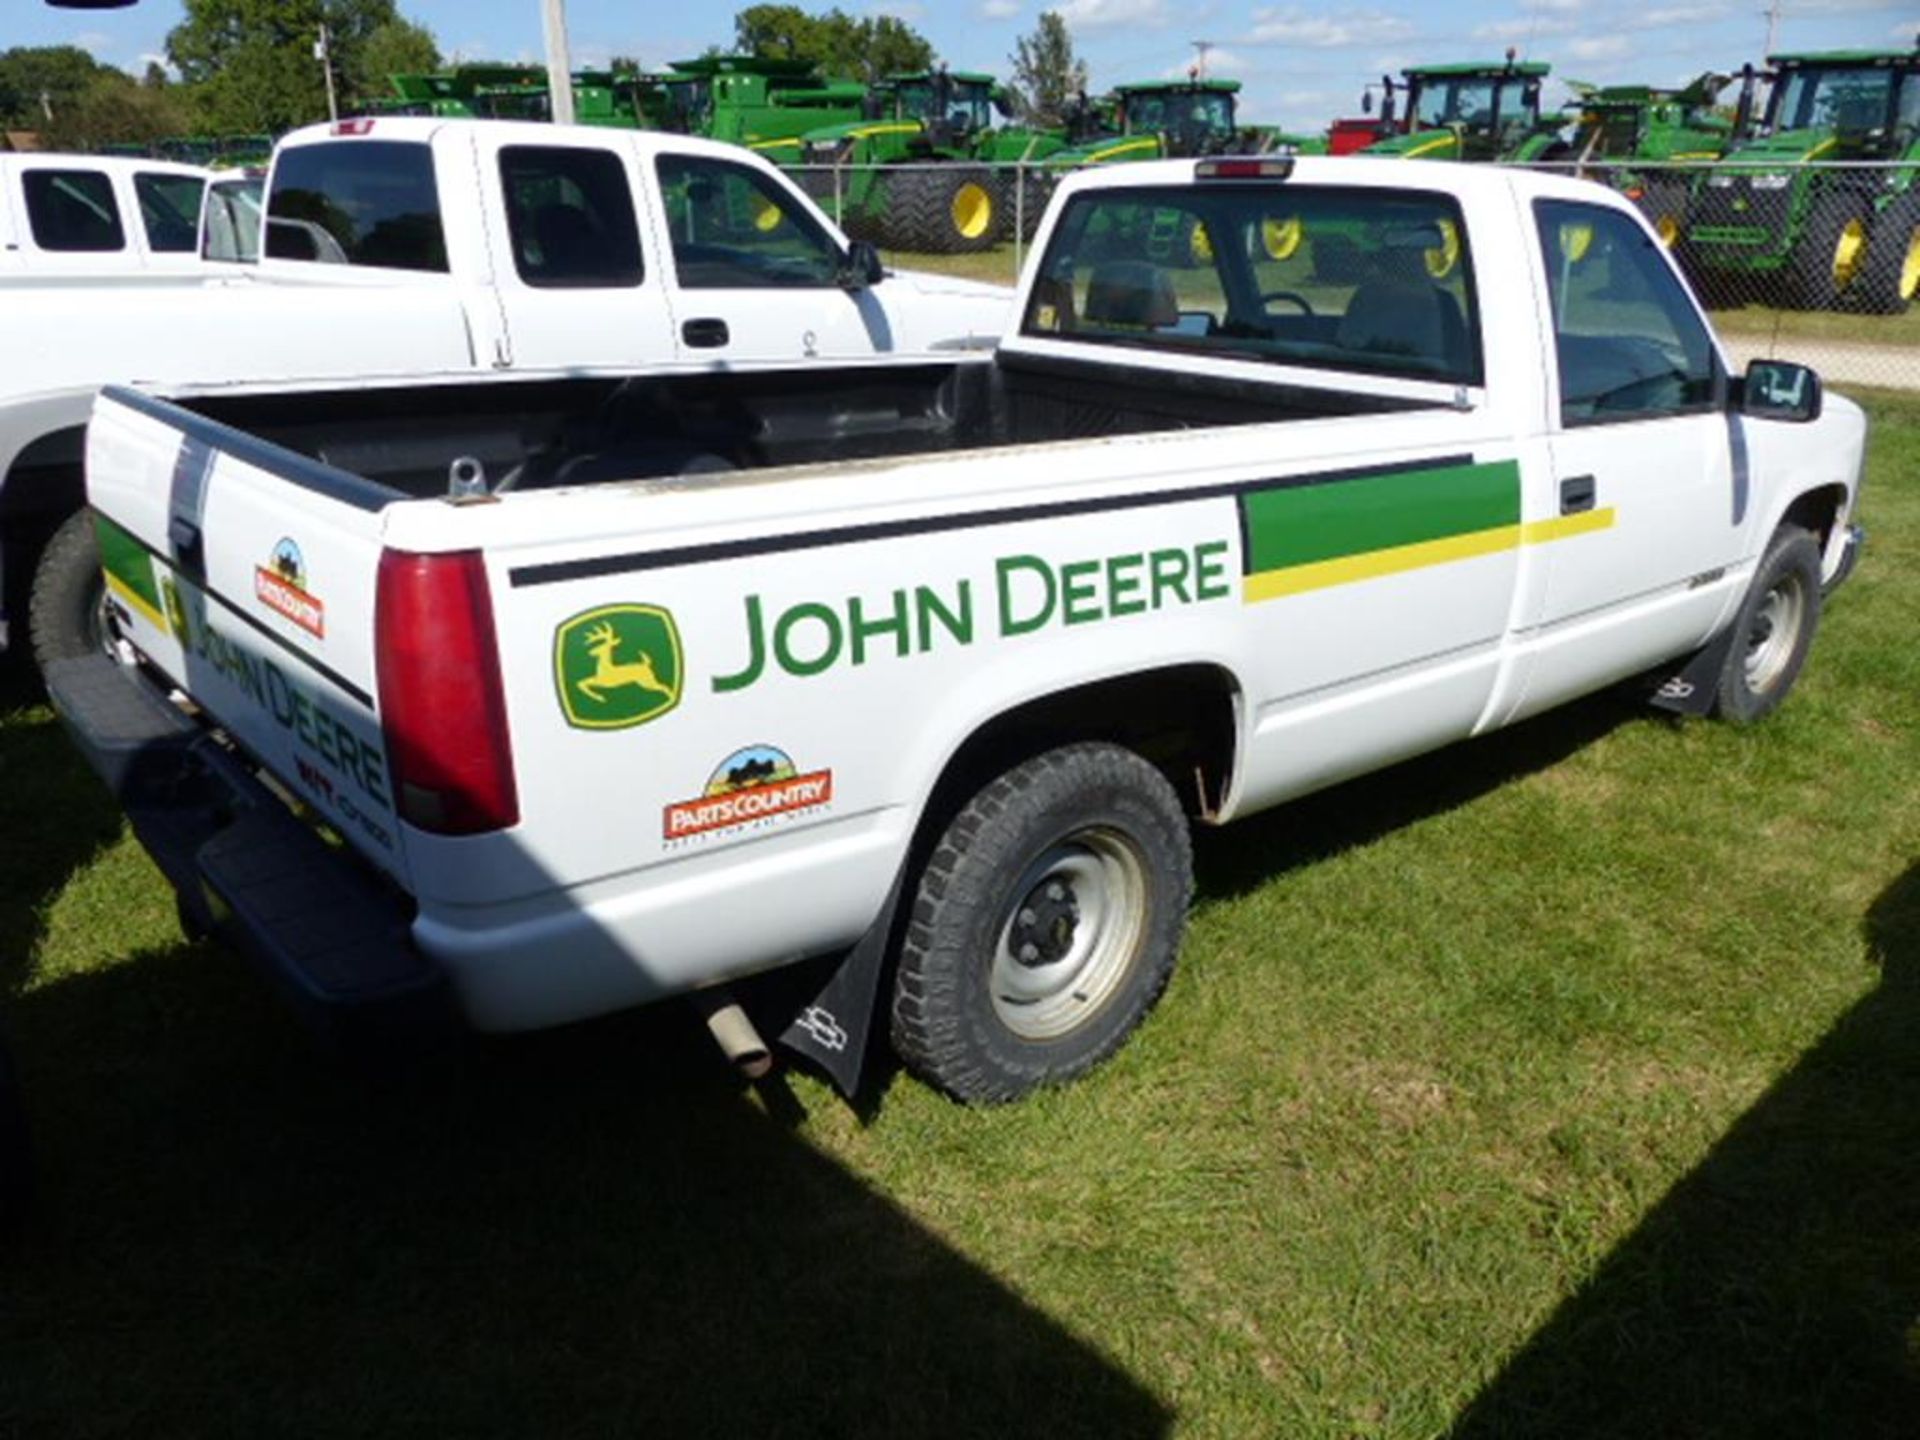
[247, 574]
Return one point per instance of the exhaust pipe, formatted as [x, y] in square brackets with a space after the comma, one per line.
[733, 1032]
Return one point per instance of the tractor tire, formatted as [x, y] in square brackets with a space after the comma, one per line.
[67, 614]
[1892, 279]
[952, 210]
[1044, 925]
[1664, 203]
[1827, 266]
[1036, 191]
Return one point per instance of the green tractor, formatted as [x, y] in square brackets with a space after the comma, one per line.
[1823, 239]
[918, 170]
[1478, 110]
[764, 103]
[1636, 138]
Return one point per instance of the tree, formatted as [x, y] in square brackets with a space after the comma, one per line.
[844, 47]
[398, 47]
[38, 82]
[1046, 72]
[249, 63]
[115, 109]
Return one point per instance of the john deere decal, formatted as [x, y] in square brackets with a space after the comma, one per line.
[755, 786]
[282, 588]
[617, 666]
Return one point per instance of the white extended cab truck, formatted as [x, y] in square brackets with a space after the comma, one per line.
[413, 246]
[619, 687]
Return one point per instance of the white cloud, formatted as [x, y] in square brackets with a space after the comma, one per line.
[1598, 47]
[1293, 26]
[1522, 28]
[999, 9]
[1222, 64]
[1104, 14]
[94, 42]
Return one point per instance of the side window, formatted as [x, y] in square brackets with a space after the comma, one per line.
[570, 217]
[734, 228]
[233, 221]
[73, 210]
[357, 202]
[1629, 343]
[169, 210]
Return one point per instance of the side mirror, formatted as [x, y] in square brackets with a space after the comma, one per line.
[862, 267]
[1366, 102]
[1780, 390]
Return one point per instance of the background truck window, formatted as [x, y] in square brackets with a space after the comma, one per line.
[233, 220]
[1338, 278]
[570, 216]
[169, 210]
[73, 210]
[734, 228]
[357, 202]
[1627, 337]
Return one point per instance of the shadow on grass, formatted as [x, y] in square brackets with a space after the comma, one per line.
[1248, 854]
[590, 1232]
[1776, 1289]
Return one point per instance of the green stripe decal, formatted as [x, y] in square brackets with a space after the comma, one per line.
[1306, 524]
[126, 561]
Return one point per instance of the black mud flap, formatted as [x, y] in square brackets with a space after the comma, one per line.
[1691, 689]
[834, 1027]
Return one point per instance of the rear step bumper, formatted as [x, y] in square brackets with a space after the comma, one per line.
[334, 939]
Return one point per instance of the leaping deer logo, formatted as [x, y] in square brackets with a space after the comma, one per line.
[611, 674]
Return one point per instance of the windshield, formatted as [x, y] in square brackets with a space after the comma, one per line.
[231, 224]
[689, 104]
[1816, 98]
[969, 103]
[1468, 101]
[1210, 112]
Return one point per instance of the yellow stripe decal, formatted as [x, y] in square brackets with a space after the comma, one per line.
[1399, 559]
[1417, 151]
[138, 601]
[1149, 143]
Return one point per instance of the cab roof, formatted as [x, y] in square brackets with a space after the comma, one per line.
[1472, 68]
[1178, 87]
[1846, 57]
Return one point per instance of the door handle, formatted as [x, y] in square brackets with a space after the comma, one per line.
[183, 538]
[1576, 494]
[705, 334]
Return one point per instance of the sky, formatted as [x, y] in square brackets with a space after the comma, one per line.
[1300, 65]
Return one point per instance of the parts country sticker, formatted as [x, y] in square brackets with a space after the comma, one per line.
[617, 666]
[755, 786]
[282, 588]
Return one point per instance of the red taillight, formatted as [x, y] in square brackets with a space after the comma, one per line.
[441, 703]
[1244, 169]
[362, 126]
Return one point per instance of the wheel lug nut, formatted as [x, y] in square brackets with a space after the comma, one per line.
[1029, 952]
[1027, 917]
[1056, 891]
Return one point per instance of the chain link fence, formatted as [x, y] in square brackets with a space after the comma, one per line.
[1815, 262]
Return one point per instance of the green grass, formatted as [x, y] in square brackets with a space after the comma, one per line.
[1564, 1083]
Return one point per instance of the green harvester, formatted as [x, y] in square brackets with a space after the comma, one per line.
[1773, 225]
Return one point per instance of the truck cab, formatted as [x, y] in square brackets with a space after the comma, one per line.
[85, 216]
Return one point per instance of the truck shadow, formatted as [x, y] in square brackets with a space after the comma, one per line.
[589, 1232]
[1776, 1289]
[1250, 853]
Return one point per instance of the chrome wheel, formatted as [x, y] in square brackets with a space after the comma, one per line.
[1071, 935]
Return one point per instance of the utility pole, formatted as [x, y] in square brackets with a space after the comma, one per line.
[1200, 48]
[324, 55]
[1772, 12]
[559, 62]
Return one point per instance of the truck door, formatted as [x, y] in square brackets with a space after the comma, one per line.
[1648, 463]
[754, 275]
[574, 282]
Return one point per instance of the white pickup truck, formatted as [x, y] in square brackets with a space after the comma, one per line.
[410, 246]
[92, 217]
[617, 688]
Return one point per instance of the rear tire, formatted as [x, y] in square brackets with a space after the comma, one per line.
[1827, 266]
[1892, 279]
[1774, 629]
[951, 210]
[1664, 203]
[1045, 924]
[67, 614]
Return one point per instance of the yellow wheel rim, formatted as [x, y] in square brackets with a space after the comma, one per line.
[1281, 237]
[1202, 245]
[1910, 267]
[971, 210]
[1575, 242]
[1847, 252]
[1667, 227]
[766, 216]
[1443, 257]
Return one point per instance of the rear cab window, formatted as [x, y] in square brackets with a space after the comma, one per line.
[72, 211]
[1343, 278]
[357, 202]
[570, 217]
[169, 210]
